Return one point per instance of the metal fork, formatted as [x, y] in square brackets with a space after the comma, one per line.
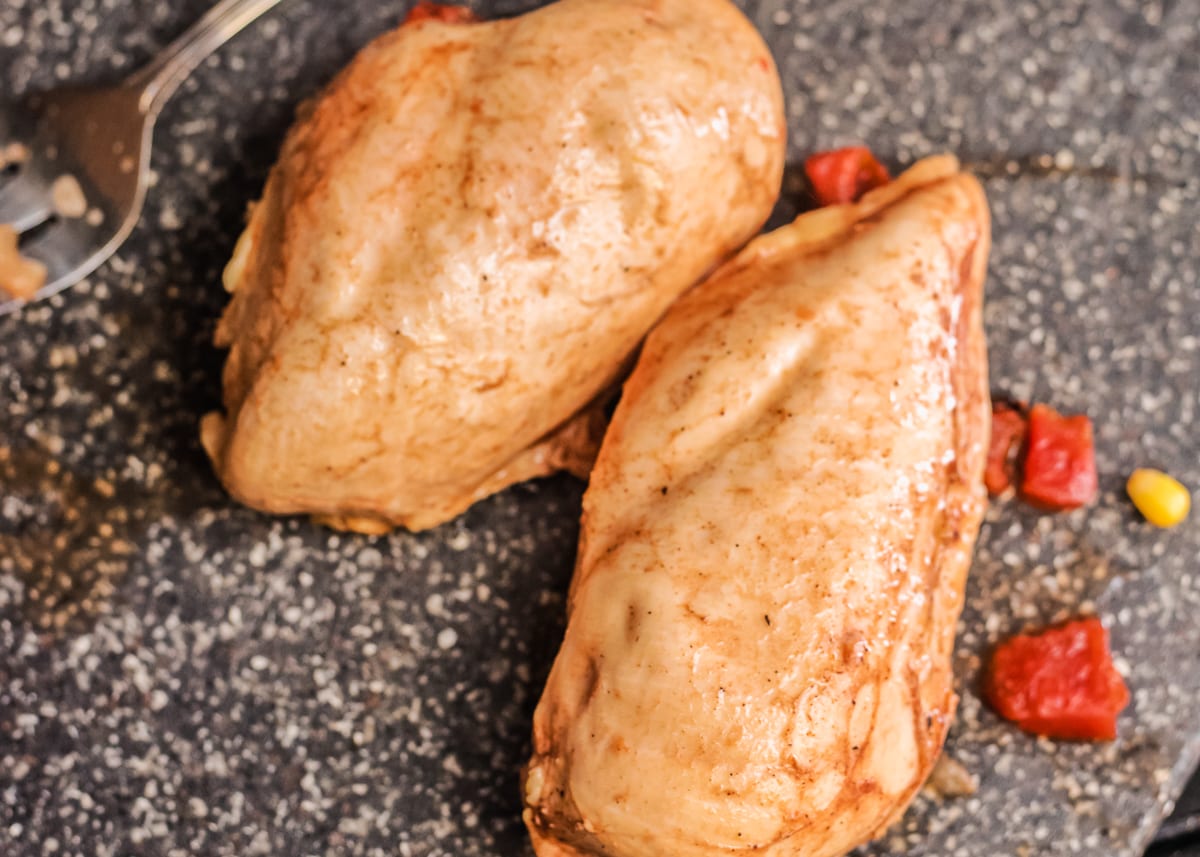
[100, 139]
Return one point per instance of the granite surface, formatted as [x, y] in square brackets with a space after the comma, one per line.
[181, 676]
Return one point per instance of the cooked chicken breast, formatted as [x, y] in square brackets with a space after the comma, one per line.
[775, 543]
[465, 238]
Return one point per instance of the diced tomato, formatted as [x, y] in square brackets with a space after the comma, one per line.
[427, 11]
[1008, 434]
[844, 175]
[1060, 683]
[1060, 462]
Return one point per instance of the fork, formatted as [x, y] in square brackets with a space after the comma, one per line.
[79, 159]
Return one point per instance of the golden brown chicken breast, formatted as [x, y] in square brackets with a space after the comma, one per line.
[775, 543]
[467, 235]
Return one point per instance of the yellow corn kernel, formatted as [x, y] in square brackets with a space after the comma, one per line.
[1162, 500]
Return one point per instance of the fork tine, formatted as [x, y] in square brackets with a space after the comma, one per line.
[25, 201]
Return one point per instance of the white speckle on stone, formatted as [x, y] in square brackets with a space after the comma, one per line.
[258, 555]
[197, 808]
[447, 639]
[168, 218]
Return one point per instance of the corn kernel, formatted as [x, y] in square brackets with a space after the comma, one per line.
[1162, 500]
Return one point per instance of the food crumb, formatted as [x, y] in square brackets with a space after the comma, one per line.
[447, 639]
[951, 779]
[68, 197]
[19, 277]
[13, 153]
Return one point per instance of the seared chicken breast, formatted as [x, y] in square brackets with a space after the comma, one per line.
[465, 238]
[775, 544]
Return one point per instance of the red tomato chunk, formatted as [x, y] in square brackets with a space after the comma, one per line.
[1060, 683]
[1008, 433]
[844, 175]
[427, 11]
[1060, 464]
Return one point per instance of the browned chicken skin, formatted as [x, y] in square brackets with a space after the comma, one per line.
[467, 235]
[775, 544]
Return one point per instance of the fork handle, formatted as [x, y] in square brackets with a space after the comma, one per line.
[158, 80]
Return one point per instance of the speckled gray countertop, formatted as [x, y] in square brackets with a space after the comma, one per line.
[181, 676]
